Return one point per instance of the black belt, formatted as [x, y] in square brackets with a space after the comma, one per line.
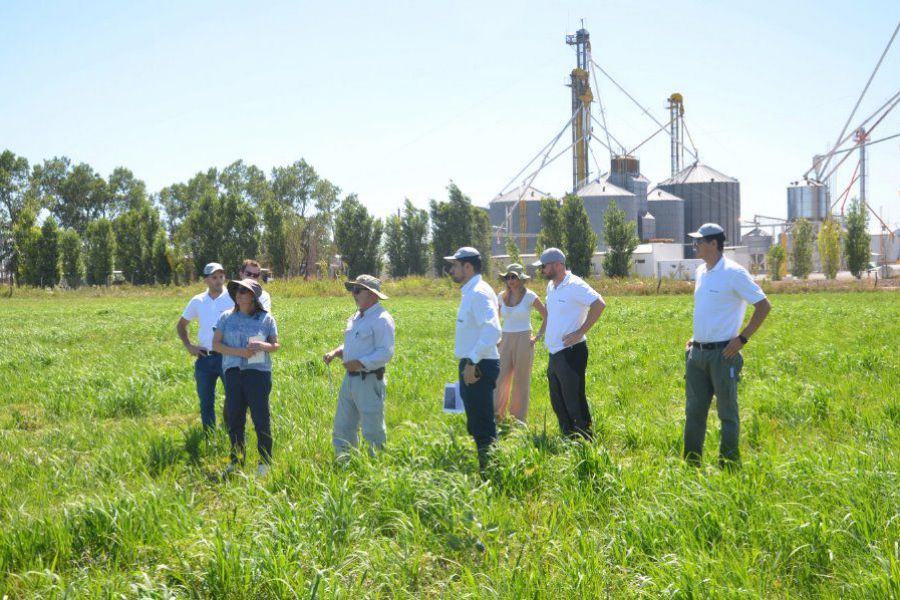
[214, 353]
[378, 373]
[709, 345]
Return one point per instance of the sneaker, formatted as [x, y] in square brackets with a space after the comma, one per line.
[262, 470]
[229, 470]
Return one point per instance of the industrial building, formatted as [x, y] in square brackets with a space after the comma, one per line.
[808, 200]
[598, 196]
[517, 215]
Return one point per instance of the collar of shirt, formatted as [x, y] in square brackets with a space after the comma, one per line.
[563, 282]
[373, 310]
[470, 284]
[718, 267]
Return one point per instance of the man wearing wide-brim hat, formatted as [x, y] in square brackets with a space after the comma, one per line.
[713, 359]
[477, 334]
[368, 347]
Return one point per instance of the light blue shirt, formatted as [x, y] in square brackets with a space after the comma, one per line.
[237, 329]
[369, 338]
[477, 322]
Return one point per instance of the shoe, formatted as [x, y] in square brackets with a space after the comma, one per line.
[230, 470]
[262, 470]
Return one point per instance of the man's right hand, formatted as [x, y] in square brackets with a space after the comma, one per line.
[196, 351]
[328, 358]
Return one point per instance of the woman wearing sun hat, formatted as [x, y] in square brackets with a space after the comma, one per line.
[517, 344]
[246, 336]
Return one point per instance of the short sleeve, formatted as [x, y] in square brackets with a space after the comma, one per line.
[587, 295]
[220, 322]
[191, 311]
[273, 327]
[530, 297]
[746, 288]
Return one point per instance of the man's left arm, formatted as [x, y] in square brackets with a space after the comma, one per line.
[594, 311]
[760, 312]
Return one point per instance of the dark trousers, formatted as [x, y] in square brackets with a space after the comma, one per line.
[478, 400]
[565, 372]
[243, 389]
[208, 370]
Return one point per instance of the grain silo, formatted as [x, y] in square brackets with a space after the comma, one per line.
[709, 197]
[516, 215]
[598, 196]
[808, 200]
[625, 172]
[669, 212]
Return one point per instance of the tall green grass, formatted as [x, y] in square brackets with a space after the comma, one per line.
[108, 487]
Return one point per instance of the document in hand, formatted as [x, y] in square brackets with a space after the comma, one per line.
[260, 356]
[452, 400]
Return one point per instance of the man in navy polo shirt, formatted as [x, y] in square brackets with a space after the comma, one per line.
[713, 360]
[205, 308]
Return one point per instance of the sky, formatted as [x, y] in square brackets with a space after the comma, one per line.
[395, 100]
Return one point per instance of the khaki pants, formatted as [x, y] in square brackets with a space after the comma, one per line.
[514, 382]
[360, 401]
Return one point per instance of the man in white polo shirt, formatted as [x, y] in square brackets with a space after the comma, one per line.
[713, 363]
[572, 309]
[477, 334]
[250, 268]
[205, 308]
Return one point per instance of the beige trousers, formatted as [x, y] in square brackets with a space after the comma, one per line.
[514, 382]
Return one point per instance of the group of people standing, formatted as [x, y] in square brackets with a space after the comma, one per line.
[494, 347]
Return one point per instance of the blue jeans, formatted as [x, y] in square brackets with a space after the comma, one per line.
[207, 369]
[245, 389]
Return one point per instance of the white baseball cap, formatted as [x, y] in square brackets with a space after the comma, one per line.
[707, 229]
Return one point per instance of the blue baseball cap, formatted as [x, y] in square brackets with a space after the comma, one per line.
[550, 255]
[463, 253]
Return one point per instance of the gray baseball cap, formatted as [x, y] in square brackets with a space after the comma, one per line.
[707, 229]
[550, 255]
[212, 268]
[464, 252]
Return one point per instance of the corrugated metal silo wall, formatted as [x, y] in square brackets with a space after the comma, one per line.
[497, 212]
[596, 207]
[669, 219]
[710, 202]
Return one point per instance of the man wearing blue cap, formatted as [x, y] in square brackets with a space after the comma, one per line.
[713, 358]
[477, 334]
[572, 309]
[206, 308]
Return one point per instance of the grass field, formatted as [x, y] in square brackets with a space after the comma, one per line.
[108, 488]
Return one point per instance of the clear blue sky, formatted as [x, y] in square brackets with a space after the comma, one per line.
[394, 100]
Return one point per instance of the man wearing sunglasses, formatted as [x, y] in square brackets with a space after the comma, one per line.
[368, 347]
[713, 359]
[251, 269]
[206, 308]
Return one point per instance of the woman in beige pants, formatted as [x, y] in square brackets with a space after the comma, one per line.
[517, 344]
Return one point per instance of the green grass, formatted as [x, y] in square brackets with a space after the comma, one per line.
[108, 487]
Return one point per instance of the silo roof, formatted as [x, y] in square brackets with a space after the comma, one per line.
[514, 195]
[602, 188]
[658, 194]
[698, 173]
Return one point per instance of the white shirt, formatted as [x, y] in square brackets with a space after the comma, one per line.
[517, 318]
[369, 338]
[206, 311]
[266, 300]
[567, 308]
[721, 295]
[477, 322]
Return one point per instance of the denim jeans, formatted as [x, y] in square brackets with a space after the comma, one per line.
[478, 400]
[208, 369]
[249, 388]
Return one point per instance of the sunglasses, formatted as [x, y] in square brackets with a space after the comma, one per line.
[253, 275]
[511, 277]
[357, 290]
[243, 291]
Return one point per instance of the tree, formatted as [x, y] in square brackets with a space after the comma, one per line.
[74, 195]
[48, 254]
[25, 236]
[856, 242]
[71, 257]
[801, 249]
[621, 240]
[358, 238]
[414, 228]
[162, 258]
[294, 186]
[101, 248]
[458, 223]
[580, 239]
[512, 250]
[553, 233]
[393, 246]
[136, 232]
[274, 243]
[830, 248]
[15, 195]
[126, 192]
[777, 259]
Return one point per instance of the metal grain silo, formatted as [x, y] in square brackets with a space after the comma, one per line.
[598, 196]
[625, 172]
[669, 212]
[523, 224]
[709, 197]
[808, 200]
